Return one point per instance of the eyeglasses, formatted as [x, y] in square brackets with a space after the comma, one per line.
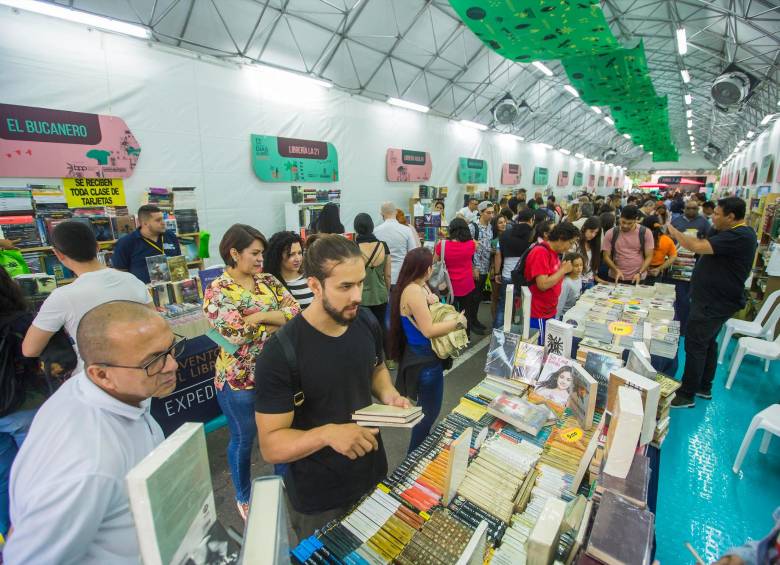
[155, 366]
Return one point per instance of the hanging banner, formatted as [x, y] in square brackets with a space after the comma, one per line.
[752, 174]
[510, 173]
[540, 176]
[765, 174]
[472, 170]
[41, 142]
[609, 181]
[283, 159]
[563, 178]
[591, 181]
[88, 193]
[405, 165]
[601, 180]
[577, 181]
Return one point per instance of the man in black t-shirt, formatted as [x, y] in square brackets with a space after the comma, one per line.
[335, 365]
[717, 292]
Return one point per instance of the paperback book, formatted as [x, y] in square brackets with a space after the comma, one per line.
[558, 338]
[520, 413]
[555, 383]
[527, 363]
[157, 265]
[177, 266]
[382, 415]
[582, 399]
[599, 366]
[650, 391]
[501, 354]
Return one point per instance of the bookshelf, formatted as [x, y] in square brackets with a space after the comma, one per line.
[764, 218]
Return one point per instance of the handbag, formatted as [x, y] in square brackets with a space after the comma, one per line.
[440, 278]
[452, 344]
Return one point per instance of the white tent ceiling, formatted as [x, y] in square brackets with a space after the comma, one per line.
[420, 51]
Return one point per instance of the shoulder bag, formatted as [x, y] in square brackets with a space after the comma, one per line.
[440, 278]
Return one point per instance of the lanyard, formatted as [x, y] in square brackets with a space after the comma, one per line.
[153, 244]
[737, 226]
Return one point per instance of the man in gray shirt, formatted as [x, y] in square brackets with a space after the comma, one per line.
[398, 237]
[691, 219]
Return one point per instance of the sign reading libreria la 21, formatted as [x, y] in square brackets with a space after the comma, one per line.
[41, 142]
[283, 159]
[472, 170]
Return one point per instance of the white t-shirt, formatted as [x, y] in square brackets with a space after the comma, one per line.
[400, 240]
[69, 501]
[468, 214]
[67, 304]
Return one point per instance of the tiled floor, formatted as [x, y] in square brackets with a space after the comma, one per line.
[700, 500]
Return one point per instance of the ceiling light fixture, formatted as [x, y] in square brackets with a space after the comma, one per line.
[565, 151]
[473, 125]
[579, 155]
[689, 113]
[408, 105]
[688, 99]
[546, 145]
[596, 109]
[682, 43]
[80, 17]
[542, 67]
[750, 134]
[686, 76]
[740, 144]
[626, 136]
[286, 77]
[690, 123]
[768, 118]
[512, 136]
[609, 120]
[571, 90]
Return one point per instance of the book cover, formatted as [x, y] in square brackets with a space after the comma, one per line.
[624, 431]
[265, 533]
[186, 292]
[177, 267]
[635, 486]
[387, 411]
[622, 534]
[157, 265]
[501, 354]
[558, 338]
[650, 391]
[527, 363]
[599, 366]
[101, 225]
[122, 226]
[54, 267]
[640, 364]
[555, 382]
[172, 501]
[582, 399]
[382, 423]
[207, 276]
[523, 415]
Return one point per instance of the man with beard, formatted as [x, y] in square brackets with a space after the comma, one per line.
[68, 496]
[311, 376]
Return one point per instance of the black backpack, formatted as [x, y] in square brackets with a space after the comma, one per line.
[518, 273]
[616, 233]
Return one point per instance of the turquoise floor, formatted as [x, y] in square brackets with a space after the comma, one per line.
[700, 500]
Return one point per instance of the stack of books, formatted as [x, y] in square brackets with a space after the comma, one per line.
[683, 265]
[381, 415]
[621, 533]
[185, 209]
[669, 388]
[662, 337]
[97, 219]
[15, 201]
[160, 197]
[22, 230]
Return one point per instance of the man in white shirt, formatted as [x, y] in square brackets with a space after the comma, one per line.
[398, 237]
[469, 212]
[75, 246]
[68, 496]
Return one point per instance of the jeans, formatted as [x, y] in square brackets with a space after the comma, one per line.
[238, 406]
[13, 430]
[430, 391]
[498, 321]
[701, 348]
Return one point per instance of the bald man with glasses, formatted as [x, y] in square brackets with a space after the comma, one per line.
[68, 497]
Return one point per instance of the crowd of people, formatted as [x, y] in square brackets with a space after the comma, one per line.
[307, 329]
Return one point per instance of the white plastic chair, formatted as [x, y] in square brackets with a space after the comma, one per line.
[767, 420]
[763, 348]
[759, 327]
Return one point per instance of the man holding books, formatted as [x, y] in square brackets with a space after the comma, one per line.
[75, 247]
[150, 239]
[68, 496]
[311, 376]
[717, 292]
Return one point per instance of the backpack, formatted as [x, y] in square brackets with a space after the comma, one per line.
[616, 234]
[518, 273]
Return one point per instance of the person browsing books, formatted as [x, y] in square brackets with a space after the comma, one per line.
[75, 246]
[420, 371]
[68, 496]
[312, 375]
[150, 239]
[717, 292]
[245, 306]
[628, 248]
[664, 252]
[572, 284]
[515, 240]
[283, 259]
[545, 271]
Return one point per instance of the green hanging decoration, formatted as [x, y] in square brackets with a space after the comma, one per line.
[603, 72]
[534, 30]
[611, 77]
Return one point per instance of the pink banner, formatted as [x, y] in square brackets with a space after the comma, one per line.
[563, 178]
[405, 165]
[510, 173]
[591, 180]
[40, 142]
[609, 181]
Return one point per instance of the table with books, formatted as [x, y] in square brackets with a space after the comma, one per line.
[552, 457]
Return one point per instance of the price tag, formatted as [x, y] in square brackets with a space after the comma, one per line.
[383, 488]
[633, 302]
[620, 328]
[571, 435]
[616, 301]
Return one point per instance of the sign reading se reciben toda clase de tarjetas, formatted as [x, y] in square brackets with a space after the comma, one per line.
[284, 159]
[42, 142]
[85, 193]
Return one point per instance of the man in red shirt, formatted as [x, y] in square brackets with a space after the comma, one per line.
[546, 270]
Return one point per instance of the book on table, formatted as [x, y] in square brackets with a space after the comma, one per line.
[382, 415]
[584, 393]
[634, 487]
[622, 534]
[651, 394]
[501, 354]
[265, 531]
[520, 413]
[624, 431]
[172, 503]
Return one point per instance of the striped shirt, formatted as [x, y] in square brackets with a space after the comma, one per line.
[301, 291]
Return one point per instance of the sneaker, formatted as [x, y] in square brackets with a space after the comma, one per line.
[705, 394]
[682, 401]
[243, 509]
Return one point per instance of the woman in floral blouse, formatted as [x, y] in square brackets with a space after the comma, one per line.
[245, 306]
